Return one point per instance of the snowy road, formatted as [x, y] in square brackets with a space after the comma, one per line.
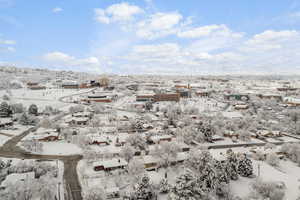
[11, 150]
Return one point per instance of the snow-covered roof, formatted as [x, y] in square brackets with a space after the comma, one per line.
[114, 162]
[160, 137]
[232, 114]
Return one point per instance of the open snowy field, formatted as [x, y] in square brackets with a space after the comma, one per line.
[60, 148]
[42, 98]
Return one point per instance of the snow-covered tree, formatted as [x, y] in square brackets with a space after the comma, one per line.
[143, 189]
[198, 159]
[5, 97]
[244, 135]
[137, 140]
[292, 151]
[137, 124]
[136, 169]
[207, 130]
[272, 159]
[186, 187]
[267, 190]
[17, 108]
[75, 109]
[5, 110]
[45, 123]
[27, 120]
[168, 153]
[127, 152]
[232, 165]
[164, 186]
[245, 167]
[33, 109]
[208, 179]
[221, 172]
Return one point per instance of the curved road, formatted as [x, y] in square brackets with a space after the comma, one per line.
[10, 150]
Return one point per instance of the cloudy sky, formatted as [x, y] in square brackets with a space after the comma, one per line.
[152, 36]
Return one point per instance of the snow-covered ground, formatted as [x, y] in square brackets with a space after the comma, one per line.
[60, 148]
[17, 130]
[3, 139]
[42, 98]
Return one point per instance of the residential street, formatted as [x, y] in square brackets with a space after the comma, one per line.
[11, 150]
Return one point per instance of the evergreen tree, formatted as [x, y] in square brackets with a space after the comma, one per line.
[33, 109]
[232, 165]
[144, 190]
[208, 179]
[5, 110]
[164, 186]
[245, 167]
[221, 172]
[207, 130]
[186, 188]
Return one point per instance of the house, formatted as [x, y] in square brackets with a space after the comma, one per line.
[239, 97]
[290, 101]
[180, 158]
[156, 139]
[241, 106]
[270, 134]
[167, 97]
[184, 93]
[285, 89]
[83, 114]
[202, 93]
[150, 162]
[232, 115]
[216, 138]
[145, 96]
[276, 97]
[99, 140]
[231, 134]
[30, 84]
[101, 98]
[109, 165]
[49, 136]
[80, 121]
[37, 87]
[70, 85]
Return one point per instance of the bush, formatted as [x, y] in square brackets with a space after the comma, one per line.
[272, 159]
[267, 190]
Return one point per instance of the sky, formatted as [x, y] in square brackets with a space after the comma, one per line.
[152, 36]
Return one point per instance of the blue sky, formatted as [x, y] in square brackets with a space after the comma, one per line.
[152, 36]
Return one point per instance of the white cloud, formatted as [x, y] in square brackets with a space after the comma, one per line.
[270, 40]
[8, 42]
[209, 30]
[158, 25]
[7, 45]
[158, 50]
[121, 12]
[60, 58]
[57, 9]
